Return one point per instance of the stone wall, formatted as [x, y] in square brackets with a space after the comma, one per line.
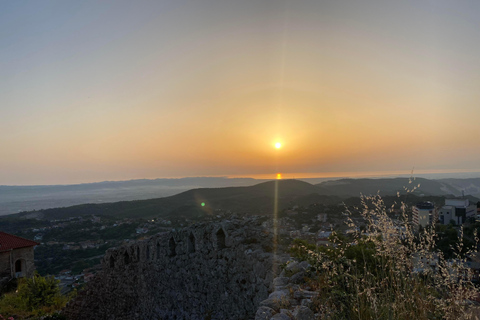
[209, 271]
[25, 258]
[292, 298]
[5, 263]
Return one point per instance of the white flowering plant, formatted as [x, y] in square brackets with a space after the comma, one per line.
[388, 271]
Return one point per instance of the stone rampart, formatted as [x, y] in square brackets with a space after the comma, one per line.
[208, 271]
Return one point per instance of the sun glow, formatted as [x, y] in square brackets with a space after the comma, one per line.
[278, 145]
[279, 176]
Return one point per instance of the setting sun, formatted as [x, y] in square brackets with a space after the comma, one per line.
[278, 145]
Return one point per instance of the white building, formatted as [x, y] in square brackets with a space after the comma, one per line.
[424, 214]
[456, 211]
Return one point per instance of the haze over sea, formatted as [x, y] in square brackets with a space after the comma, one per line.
[430, 174]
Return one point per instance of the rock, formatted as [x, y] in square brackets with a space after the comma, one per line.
[304, 294]
[304, 313]
[304, 265]
[259, 268]
[306, 302]
[264, 313]
[292, 267]
[271, 303]
[280, 281]
[297, 277]
[280, 316]
[279, 294]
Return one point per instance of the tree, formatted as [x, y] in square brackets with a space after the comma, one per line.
[40, 292]
[35, 297]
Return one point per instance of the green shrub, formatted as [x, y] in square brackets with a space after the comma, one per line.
[34, 297]
[40, 292]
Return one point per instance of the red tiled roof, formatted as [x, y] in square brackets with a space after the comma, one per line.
[9, 242]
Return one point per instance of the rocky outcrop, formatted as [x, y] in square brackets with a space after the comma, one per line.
[289, 299]
[208, 271]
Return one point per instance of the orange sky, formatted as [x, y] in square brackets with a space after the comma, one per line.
[115, 90]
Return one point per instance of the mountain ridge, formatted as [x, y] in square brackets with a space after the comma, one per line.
[256, 199]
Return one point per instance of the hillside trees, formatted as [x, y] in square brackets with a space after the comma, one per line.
[38, 296]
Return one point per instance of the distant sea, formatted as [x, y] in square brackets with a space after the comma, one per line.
[322, 176]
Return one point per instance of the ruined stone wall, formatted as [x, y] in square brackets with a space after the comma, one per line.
[209, 271]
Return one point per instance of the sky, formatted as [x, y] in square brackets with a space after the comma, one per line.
[115, 90]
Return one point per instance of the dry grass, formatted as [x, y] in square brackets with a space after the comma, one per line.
[389, 272]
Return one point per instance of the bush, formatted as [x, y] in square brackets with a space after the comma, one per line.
[38, 296]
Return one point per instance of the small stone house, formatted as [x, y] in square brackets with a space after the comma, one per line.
[16, 256]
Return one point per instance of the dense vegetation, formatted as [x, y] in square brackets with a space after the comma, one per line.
[53, 259]
[34, 298]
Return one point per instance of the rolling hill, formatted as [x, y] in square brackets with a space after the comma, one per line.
[14, 199]
[256, 199]
[355, 187]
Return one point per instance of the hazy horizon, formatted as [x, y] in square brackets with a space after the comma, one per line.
[437, 174]
[119, 90]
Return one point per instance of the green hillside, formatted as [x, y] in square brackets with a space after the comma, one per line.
[257, 199]
[355, 187]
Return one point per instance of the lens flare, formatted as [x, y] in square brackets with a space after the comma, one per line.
[275, 226]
